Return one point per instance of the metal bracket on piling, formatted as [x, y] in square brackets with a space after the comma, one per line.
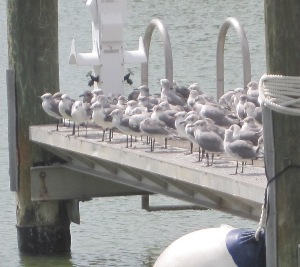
[157, 23]
[220, 53]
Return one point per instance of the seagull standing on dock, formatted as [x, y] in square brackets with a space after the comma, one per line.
[159, 114]
[50, 106]
[121, 122]
[240, 149]
[180, 127]
[207, 139]
[101, 116]
[189, 130]
[81, 114]
[65, 107]
[155, 129]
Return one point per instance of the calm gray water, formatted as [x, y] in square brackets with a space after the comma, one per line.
[115, 231]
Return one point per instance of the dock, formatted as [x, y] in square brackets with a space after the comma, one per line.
[89, 167]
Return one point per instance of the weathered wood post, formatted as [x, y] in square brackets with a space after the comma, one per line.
[283, 58]
[42, 227]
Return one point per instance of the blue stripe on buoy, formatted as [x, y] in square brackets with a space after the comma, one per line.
[245, 250]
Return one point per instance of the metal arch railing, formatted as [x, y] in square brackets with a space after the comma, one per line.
[157, 23]
[220, 53]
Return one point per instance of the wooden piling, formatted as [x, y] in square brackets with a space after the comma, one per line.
[42, 227]
[283, 57]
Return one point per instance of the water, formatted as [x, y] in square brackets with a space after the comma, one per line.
[115, 231]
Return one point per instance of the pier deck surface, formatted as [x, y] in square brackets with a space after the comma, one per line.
[170, 171]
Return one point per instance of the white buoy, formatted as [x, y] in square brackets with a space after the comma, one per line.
[215, 247]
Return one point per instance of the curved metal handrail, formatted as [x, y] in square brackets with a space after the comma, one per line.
[157, 23]
[220, 53]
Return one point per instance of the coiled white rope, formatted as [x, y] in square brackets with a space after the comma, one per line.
[280, 93]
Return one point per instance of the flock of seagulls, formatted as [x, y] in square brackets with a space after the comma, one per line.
[232, 125]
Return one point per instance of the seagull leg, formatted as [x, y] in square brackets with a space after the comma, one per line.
[212, 158]
[243, 163]
[191, 144]
[237, 165]
[166, 143]
[199, 154]
[130, 140]
[126, 141]
[103, 134]
[73, 132]
[57, 125]
[110, 134]
[207, 158]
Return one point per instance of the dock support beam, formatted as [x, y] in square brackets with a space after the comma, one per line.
[42, 227]
[283, 57]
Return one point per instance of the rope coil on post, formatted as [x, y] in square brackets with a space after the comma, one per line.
[280, 93]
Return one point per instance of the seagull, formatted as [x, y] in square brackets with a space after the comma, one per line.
[250, 125]
[253, 111]
[240, 107]
[121, 104]
[239, 134]
[144, 102]
[136, 118]
[215, 128]
[240, 149]
[65, 107]
[133, 95]
[155, 128]
[216, 113]
[130, 106]
[159, 114]
[195, 86]
[168, 95]
[103, 100]
[80, 113]
[50, 106]
[96, 92]
[101, 116]
[253, 90]
[180, 127]
[182, 91]
[189, 131]
[87, 96]
[144, 91]
[57, 95]
[121, 122]
[169, 109]
[207, 139]
[192, 98]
